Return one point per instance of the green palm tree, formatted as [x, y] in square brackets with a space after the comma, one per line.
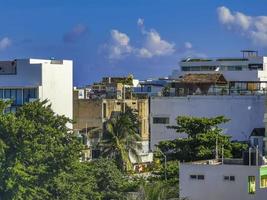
[122, 139]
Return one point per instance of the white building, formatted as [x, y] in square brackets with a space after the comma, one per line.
[245, 114]
[24, 80]
[250, 67]
[211, 180]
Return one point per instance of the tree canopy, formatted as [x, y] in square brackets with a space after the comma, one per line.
[40, 159]
[203, 134]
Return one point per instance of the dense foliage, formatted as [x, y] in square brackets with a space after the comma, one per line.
[200, 143]
[40, 159]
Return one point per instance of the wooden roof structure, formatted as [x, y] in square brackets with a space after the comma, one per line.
[208, 78]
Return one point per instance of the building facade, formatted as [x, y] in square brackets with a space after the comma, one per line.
[210, 180]
[245, 114]
[25, 80]
[249, 67]
[90, 116]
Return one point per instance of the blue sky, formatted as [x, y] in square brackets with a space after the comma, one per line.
[146, 38]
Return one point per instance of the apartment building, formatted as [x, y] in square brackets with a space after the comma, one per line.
[25, 80]
[249, 67]
[204, 87]
[230, 179]
[91, 113]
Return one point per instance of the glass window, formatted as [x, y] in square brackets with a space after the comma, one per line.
[200, 177]
[19, 97]
[193, 176]
[264, 181]
[251, 185]
[28, 94]
[263, 177]
[7, 93]
[1, 93]
[232, 178]
[161, 120]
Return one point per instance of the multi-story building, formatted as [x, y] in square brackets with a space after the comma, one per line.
[245, 114]
[249, 67]
[233, 87]
[90, 115]
[230, 179]
[25, 80]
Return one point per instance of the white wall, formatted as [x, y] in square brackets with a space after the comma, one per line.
[54, 82]
[57, 87]
[214, 187]
[28, 75]
[245, 112]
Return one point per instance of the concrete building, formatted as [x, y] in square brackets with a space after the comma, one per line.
[245, 114]
[210, 180]
[91, 114]
[249, 67]
[25, 80]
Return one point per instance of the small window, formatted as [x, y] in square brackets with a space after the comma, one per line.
[200, 177]
[264, 181]
[193, 176]
[251, 185]
[229, 178]
[161, 120]
[232, 178]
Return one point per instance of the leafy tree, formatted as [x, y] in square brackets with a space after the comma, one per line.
[157, 190]
[201, 141]
[40, 157]
[122, 139]
[111, 183]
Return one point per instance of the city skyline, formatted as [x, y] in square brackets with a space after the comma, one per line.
[146, 38]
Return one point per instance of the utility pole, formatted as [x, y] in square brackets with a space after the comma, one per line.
[216, 148]
[165, 164]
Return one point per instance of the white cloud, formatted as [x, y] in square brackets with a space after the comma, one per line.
[254, 27]
[5, 43]
[188, 45]
[120, 45]
[154, 45]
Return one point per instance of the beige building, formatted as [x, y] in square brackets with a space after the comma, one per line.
[90, 114]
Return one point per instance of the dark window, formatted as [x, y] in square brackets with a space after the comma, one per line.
[7, 93]
[229, 178]
[104, 110]
[232, 178]
[193, 176]
[200, 177]
[95, 153]
[185, 68]
[29, 94]
[1, 93]
[161, 120]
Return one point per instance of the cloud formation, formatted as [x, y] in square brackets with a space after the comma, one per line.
[5, 43]
[254, 27]
[120, 45]
[152, 45]
[75, 33]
